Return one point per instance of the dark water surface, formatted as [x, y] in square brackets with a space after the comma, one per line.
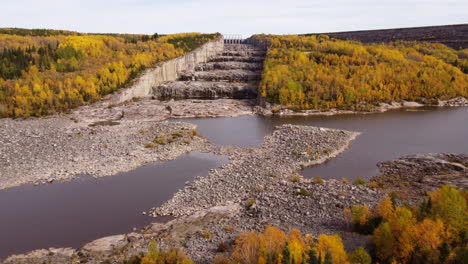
[385, 136]
[68, 214]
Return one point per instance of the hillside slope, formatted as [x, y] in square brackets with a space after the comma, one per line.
[454, 36]
[320, 72]
[46, 71]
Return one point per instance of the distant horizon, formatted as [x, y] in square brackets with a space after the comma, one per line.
[132, 33]
[245, 17]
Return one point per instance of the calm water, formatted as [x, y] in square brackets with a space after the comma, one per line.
[384, 136]
[71, 213]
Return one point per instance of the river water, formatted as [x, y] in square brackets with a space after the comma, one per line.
[384, 136]
[69, 214]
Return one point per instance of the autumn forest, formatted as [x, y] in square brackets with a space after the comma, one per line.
[47, 71]
[320, 72]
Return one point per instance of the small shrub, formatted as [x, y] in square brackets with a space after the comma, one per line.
[223, 247]
[150, 145]
[142, 131]
[222, 259]
[303, 192]
[176, 135]
[272, 175]
[309, 150]
[193, 133]
[275, 110]
[207, 235]
[249, 203]
[229, 228]
[295, 178]
[318, 180]
[186, 141]
[250, 150]
[161, 140]
[359, 181]
[345, 180]
[373, 185]
[327, 151]
[360, 256]
[106, 146]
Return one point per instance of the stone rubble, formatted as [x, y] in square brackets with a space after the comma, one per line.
[410, 177]
[258, 187]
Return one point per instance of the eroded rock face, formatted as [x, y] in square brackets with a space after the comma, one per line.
[168, 71]
[234, 74]
[206, 90]
[412, 176]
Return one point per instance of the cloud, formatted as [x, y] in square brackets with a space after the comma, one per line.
[241, 16]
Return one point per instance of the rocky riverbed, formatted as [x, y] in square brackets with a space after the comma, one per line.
[257, 188]
[47, 150]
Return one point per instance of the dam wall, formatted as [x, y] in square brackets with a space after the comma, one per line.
[168, 71]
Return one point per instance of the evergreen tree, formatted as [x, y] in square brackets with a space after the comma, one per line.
[286, 255]
[328, 258]
[313, 258]
[444, 252]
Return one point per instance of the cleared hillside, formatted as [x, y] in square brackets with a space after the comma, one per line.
[454, 36]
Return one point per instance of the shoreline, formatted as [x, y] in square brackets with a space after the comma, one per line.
[205, 206]
[382, 108]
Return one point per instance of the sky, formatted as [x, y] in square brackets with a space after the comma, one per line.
[244, 17]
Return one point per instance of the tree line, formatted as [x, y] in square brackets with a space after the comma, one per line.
[320, 72]
[435, 232]
[41, 75]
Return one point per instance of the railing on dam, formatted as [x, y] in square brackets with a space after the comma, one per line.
[239, 39]
[234, 39]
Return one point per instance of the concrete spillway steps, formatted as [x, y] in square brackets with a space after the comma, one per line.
[234, 74]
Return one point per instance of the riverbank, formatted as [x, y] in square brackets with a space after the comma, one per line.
[258, 187]
[59, 148]
[269, 109]
[409, 178]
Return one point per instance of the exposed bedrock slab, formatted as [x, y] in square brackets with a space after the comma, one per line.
[205, 90]
[222, 75]
[244, 53]
[256, 59]
[410, 177]
[229, 65]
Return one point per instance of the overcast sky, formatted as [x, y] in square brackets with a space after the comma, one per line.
[229, 16]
